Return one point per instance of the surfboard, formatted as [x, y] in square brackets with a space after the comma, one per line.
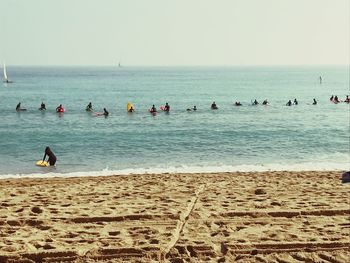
[42, 163]
[129, 106]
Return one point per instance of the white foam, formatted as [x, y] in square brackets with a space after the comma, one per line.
[324, 166]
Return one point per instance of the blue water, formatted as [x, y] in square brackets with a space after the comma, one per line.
[229, 139]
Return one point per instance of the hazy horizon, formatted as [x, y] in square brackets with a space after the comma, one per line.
[181, 33]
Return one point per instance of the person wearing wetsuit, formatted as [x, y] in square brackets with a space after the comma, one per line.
[42, 106]
[265, 102]
[289, 103]
[213, 106]
[336, 100]
[52, 158]
[105, 112]
[295, 102]
[131, 109]
[347, 100]
[153, 109]
[331, 98]
[315, 102]
[18, 107]
[255, 102]
[238, 103]
[89, 107]
[166, 107]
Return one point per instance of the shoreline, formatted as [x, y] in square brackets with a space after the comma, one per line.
[207, 217]
[306, 167]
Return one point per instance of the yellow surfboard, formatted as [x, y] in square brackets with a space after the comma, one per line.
[129, 106]
[42, 163]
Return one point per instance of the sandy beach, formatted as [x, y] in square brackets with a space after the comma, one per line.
[226, 217]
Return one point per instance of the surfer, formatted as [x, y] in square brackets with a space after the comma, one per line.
[347, 100]
[193, 109]
[255, 102]
[315, 102]
[18, 107]
[336, 100]
[153, 109]
[60, 108]
[265, 102]
[166, 107]
[320, 78]
[238, 103]
[89, 107]
[52, 158]
[331, 98]
[289, 103]
[295, 102]
[213, 106]
[105, 112]
[42, 106]
[131, 109]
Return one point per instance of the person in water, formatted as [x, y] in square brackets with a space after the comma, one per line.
[289, 103]
[213, 106]
[336, 99]
[265, 102]
[255, 102]
[52, 158]
[166, 107]
[347, 100]
[19, 108]
[89, 107]
[315, 102]
[238, 103]
[193, 109]
[153, 109]
[60, 108]
[131, 109]
[331, 98]
[42, 106]
[105, 112]
[295, 102]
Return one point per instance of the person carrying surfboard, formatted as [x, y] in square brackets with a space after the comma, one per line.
[52, 157]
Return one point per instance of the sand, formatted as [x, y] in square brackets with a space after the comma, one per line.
[226, 217]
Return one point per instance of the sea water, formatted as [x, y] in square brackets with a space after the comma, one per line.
[246, 138]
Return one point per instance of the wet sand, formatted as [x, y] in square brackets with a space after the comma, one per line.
[225, 217]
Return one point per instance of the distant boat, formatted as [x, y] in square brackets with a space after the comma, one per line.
[6, 79]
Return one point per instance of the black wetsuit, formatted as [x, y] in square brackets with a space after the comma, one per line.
[52, 157]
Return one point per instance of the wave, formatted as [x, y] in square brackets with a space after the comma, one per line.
[308, 166]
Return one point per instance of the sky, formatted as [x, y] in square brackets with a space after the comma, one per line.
[174, 32]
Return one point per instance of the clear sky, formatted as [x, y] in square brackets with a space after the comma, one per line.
[174, 32]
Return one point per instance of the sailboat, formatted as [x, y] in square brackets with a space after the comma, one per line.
[6, 79]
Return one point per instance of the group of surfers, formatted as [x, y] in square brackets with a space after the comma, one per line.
[166, 108]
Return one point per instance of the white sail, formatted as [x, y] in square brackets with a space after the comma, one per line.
[5, 74]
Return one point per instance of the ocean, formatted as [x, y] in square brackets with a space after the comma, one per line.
[246, 138]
